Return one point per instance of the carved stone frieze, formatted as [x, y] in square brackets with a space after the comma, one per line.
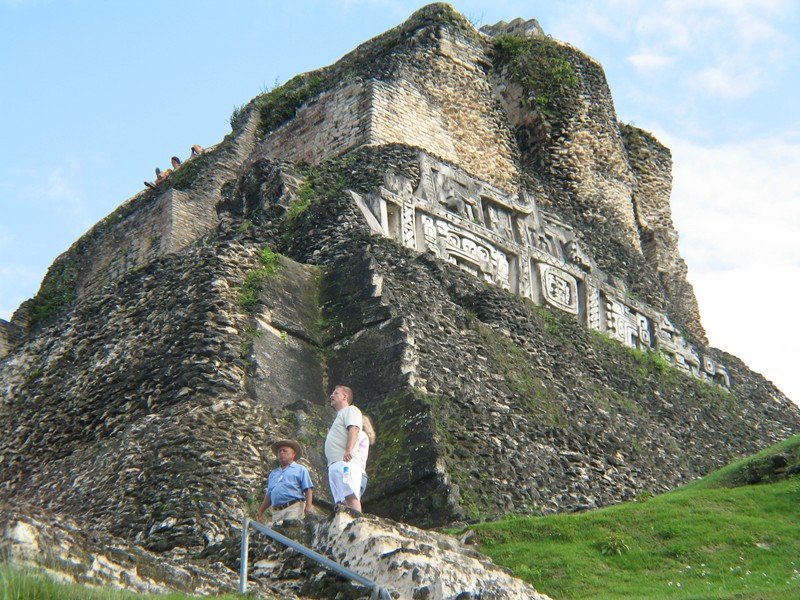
[559, 289]
[504, 239]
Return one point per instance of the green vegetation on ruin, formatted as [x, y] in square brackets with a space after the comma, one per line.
[254, 280]
[393, 455]
[513, 363]
[280, 104]
[540, 66]
[56, 293]
[648, 372]
[320, 182]
[705, 540]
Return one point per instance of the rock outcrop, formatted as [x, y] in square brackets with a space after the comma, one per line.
[455, 225]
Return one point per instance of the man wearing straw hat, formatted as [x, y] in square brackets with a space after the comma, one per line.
[289, 488]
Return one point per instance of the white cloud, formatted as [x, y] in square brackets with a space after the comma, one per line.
[727, 82]
[723, 49]
[750, 312]
[650, 62]
[61, 181]
[737, 209]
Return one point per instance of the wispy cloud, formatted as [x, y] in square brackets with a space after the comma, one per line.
[737, 208]
[741, 200]
[650, 62]
[726, 49]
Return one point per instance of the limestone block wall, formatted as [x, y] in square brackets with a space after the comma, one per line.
[121, 244]
[433, 93]
[453, 76]
[166, 223]
[327, 125]
[401, 113]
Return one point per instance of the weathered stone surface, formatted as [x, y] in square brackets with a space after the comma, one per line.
[416, 564]
[10, 336]
[65, 551]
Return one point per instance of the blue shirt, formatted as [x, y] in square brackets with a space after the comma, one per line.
[287, 484]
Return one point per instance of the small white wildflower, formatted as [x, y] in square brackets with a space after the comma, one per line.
[678, 584]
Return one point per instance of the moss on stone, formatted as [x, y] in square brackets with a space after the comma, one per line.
[57, 292]
[392, 459]
[254, 280]
[280, 104]
[514, 364]
[542, 67]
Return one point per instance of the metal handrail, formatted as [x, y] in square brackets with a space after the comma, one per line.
[377, 591]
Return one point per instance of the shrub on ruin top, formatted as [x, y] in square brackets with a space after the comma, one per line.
[541, 67]
[281, 103]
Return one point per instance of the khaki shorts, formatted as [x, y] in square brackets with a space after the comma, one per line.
[295, 511]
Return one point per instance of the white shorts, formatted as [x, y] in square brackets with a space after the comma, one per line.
[339, 488]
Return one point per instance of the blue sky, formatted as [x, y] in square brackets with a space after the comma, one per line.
[95, 94]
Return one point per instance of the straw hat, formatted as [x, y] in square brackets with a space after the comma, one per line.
[298, 449]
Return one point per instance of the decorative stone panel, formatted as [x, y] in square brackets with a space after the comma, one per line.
[503, 239]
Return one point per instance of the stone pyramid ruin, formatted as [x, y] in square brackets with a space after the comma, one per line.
[452, 222]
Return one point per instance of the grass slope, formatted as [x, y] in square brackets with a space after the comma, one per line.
[716, 538]
[26, 584]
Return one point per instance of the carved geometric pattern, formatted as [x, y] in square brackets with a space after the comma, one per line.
[560, 289]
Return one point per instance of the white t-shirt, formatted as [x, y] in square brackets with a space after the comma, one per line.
[363, 448]
[336, 442]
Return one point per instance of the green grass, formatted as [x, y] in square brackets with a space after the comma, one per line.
[25, 584]
[701, 541]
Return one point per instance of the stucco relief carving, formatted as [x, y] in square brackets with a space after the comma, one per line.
[559, 289]
[592, 305]
[625, 324]
[504, 239]
[465, 250]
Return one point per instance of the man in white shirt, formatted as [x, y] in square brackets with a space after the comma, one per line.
[341, 449]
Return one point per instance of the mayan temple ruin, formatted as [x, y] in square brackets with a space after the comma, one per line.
[452, 222]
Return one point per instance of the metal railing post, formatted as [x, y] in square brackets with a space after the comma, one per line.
[243, 557]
